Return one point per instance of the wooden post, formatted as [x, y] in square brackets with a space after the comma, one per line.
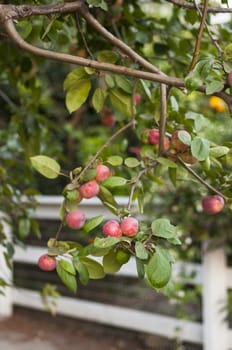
[214, 292]
[6, 306]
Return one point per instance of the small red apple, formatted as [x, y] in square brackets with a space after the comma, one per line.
[153, 136]
[89, 189]
[103, 172]
[130, 226]
[47, 263]
[213, 204]
[229, 79]
[177, 143]
[135, 150]
[166, 143]
[107, 117]
[75, 219]
[137, 98]
[112, 228]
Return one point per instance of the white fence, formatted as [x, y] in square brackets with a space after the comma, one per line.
[213, 274]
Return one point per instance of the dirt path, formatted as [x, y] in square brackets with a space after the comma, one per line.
[34, 330]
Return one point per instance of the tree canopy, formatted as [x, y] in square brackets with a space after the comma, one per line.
[110, 98]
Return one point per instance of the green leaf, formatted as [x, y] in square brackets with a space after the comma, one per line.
[24, 28]
[159, 269]
[68, 279]
[77, 94]
[172, 175]
[24, 226]
[175, 241]
[107, 56]
[228, 52]
[90, 174]
[124, 84]
[95, 269]
[121, 101]
[163, 228]
[219, 151]
[184, 137]
[82, 270]
[110, 262]
[67, 265]
[140, 268]
[166, 162]
[140, 251]
[122, 256]
[146, 88]
[98, 99]
[114, 181]
[132, 162]
[174, 104]
[109, 81]
[73, 78]
[214, 86]
[93, 223]
[46, 166]
[199, 119]
[106, 197]
[115, 160]
[106, 242]
[198, 75]
[200, 148]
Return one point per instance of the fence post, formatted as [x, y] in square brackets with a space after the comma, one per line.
[6, 306]
[214, 298]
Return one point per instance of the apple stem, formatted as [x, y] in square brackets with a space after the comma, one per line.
[59, 231]
[106, 144]
[199, 178]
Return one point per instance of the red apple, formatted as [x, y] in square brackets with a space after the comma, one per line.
[130, 226]
[103, 172]
[75, 219]
[213, 204]
[137, 98]
[47, 263]
[112, 228]
[107, 117]
[229, 79]
[153, 136]
[166, 143]
[177, 143]
[89, 189]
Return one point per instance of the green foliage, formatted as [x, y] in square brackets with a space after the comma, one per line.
[38, 131]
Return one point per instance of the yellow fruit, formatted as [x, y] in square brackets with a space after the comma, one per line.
[217, 104]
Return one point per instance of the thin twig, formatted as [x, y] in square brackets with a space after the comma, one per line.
[220, 51]
[6, 98]
[206, 184]
[82, 35]
[200, 33]
[105, 145]
[190, 6]
[59, 231]
[134, 186]
[162, 122]
[133, 101]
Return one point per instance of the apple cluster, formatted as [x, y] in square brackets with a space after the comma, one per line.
[129, 227]
[75, 219]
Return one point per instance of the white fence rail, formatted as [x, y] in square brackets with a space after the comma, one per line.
[214, 276]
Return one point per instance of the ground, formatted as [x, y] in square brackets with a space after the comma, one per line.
[33, 330]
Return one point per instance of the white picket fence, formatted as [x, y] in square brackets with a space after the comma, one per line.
[213, 274]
